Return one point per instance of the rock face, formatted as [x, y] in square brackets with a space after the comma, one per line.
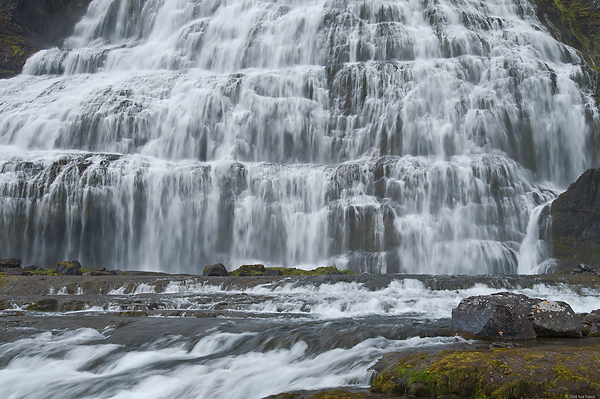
[215, 270]
[576, 221]
[506, 316]
[27, 26]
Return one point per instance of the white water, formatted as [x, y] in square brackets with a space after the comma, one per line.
[381, 136]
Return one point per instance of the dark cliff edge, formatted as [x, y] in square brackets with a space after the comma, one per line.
[576, 222]
[27, 26]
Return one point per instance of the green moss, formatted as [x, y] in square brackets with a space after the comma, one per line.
[495, 374]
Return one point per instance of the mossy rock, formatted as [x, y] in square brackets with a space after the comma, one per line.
[496, 373]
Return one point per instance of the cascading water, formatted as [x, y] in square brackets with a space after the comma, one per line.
[381, 136]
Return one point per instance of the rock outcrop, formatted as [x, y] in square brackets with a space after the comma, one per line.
[27, 26]
[576, 222]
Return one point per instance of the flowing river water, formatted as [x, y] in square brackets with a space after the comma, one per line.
[189, 337]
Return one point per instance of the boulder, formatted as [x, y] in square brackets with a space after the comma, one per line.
[252, 270]
[502, 316]
[217, 269]
[69, 267]
[591, 324]
[273, 272]
[11, 263]
[554, 319]
[507, 316]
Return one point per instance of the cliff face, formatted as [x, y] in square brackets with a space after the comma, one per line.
[27, 26]
[576, 221]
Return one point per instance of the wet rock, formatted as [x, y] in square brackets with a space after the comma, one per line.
[502, 316]
[591, 324]
[14, 272]
[507, 316]
[69, 268]
[251, 270]
[30, 268]
[584, 269]
[554, 319]
[11, 263]
[103, 272]
[217, 269]
[273, 272]
[44, 305]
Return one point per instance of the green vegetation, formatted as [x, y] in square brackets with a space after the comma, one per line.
[495, 374]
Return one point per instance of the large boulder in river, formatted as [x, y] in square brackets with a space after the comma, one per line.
[576, 222]
[554, 319]
[215, 270]
[501, 316]
[507, 316]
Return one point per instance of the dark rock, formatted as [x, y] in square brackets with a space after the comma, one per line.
[554, 319]
[69, 268]
[28, 26]
[45, 305]
[273, 272]
[509, 316]
[10, 263]
[215, 270]
[502, 316]
[591, 324]
[252, 270]
[30, 268]
[14, 272]
[576, 221]
[103, 272]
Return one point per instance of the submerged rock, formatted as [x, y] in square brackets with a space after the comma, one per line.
[217, 269]
[507, 316]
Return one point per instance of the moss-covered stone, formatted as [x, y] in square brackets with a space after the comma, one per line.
[496, 373]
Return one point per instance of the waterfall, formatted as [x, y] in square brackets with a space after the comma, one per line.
[381, 136]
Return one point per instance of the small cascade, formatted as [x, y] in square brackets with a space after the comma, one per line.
[380, 136]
